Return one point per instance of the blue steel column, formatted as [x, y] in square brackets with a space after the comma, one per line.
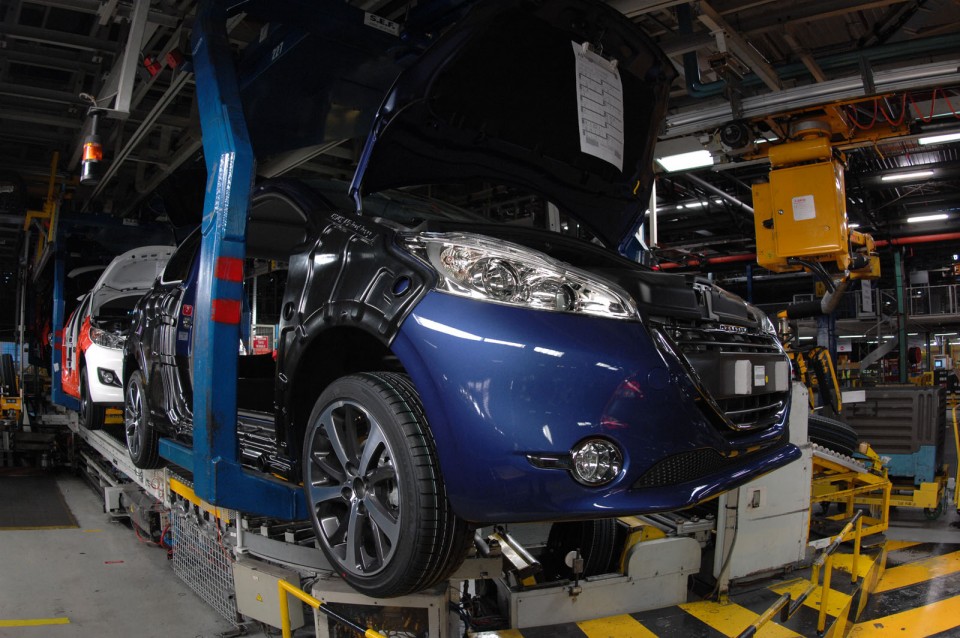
[57, 395]
[217, 474]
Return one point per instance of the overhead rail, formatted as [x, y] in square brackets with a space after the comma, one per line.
[885, 81]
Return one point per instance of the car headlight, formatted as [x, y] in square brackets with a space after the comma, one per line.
[482, 268]
[107, 339]
[765, 323]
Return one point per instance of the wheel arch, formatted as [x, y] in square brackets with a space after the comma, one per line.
[333, 353]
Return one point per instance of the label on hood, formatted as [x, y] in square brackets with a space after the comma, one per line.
[600, 105]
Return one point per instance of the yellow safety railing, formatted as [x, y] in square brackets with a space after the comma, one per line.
[787, 607]
[956, 441]
[284, 588]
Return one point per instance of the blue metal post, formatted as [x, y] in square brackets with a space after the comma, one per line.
[217, 474]
[57, 395]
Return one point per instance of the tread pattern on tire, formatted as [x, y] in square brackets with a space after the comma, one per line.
[832, 434]
[443, 541]
[150, 446]
[8, 374]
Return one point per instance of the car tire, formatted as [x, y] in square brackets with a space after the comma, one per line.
[832, 434]
[8, 375]
[595, 540]
[373, 487]
[143, 441]
[91, 414]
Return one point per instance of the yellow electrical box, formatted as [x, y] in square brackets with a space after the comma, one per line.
[809, 212]
[800, 216]
[763, 225]
[801, 213]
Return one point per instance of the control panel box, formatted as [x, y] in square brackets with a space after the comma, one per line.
[257, 595]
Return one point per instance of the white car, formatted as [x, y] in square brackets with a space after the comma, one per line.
[92, 354]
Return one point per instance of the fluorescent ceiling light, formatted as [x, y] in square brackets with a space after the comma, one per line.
[806, 338]
[853, 225]
[945, 334]
[851, 336]
[684, 161]
[926, 218]
[896, 177]
[939, 139]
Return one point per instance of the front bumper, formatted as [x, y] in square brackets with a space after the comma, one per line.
[97, 357]
[500, 383]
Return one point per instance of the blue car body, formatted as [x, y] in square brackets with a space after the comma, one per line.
[522, 345]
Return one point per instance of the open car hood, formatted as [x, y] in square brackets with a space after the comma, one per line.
[130, 273]
[563, 98]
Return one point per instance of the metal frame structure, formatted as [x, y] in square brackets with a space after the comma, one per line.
[213, 459]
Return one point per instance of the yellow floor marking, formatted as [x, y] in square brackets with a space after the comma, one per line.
[34, 622]
[844, 562]
[731, 619]
[920, 571]
[837, 601]
[92, 531]
[893, 546]
[921, 621]
[615, 627]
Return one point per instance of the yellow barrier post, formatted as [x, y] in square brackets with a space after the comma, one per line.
[825, 594]
[284, 588]
[856, 551]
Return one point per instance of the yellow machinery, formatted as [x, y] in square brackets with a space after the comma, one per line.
[801, 214]
[11, 404]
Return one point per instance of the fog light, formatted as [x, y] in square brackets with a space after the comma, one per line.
[595, 461]
[108, 377]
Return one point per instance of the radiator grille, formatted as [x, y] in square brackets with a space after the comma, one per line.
[703, 347]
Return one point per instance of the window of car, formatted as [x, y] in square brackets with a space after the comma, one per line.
[178, 268]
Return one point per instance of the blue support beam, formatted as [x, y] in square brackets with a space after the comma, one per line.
[57, 395]
[214, 460]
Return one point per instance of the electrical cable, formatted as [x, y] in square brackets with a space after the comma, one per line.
[726, 560]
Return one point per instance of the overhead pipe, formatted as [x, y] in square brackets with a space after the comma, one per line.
[699, 89]
[896, 241]
[702, 183]
[917, 239]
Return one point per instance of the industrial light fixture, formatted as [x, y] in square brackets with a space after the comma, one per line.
[684, 161]
[853, 225]
[851, 336]
[926, 218]
[897, 177]
[90, 170]
[939, 139]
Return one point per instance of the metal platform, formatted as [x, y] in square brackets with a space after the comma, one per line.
[918, 594]
[114, 451]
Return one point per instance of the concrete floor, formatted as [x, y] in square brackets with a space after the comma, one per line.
[100, 577]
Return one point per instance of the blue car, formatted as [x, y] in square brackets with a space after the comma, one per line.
[435, 370]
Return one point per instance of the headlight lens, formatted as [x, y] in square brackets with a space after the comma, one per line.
[595, 461]
[481, 268]
[107, 339]
[766, 325]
